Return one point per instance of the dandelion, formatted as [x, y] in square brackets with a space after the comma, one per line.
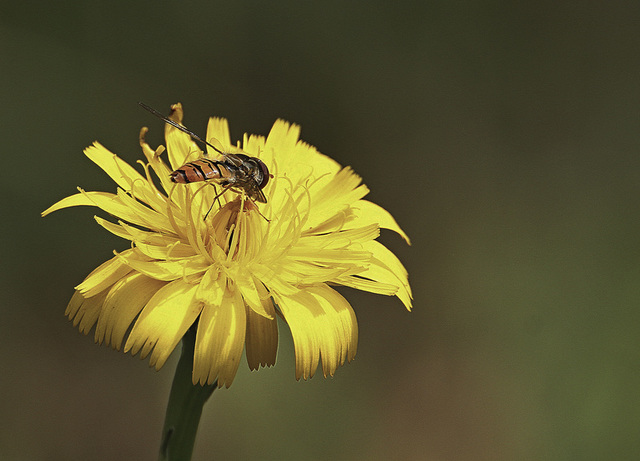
[228, 277]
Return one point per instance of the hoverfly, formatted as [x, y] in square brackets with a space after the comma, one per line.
[238, 172]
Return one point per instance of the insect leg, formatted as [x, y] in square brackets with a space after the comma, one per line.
[258, 210]
[217, 197]
[254, 205]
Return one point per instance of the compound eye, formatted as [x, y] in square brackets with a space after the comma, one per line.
[265, 173]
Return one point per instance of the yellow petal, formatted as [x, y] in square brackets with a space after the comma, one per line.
[115, 229]
[220, 339]
[123, 303]
[165, 270]
[273, 280]
[299, 158]
[180, 147]
[301, 312]
[81, 199]
[151, 244]
[281, 143]
[377, 278]
[262, 338]
[385, 258]
[254, 146]
[169, 252]
[338, 234]
[368, 212]
[218, 134]
[343, 190]
[211, 289]
[124, 175]
[105, 275]
[120, 205]
[88, 311]
[149, 218]
[255, 295]
[163, 322]
[328, 257]
[366, 284]
[74, 305]
[157, 239]
[339, 337]
[323, 325]
[297, 273]
[153, 157]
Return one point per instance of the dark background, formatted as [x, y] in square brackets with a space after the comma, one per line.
[503, 136]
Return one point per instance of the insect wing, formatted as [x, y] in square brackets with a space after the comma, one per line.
[233, 159]
[217, 146]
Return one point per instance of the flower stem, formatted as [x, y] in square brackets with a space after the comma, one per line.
[184, 408]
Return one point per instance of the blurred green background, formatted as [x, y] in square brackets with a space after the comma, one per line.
[503, 136]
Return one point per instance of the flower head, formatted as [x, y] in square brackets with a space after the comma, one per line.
[231, 274]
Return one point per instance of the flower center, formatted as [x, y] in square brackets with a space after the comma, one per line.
[229, 227]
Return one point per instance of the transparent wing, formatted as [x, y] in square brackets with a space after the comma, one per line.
[233, 159]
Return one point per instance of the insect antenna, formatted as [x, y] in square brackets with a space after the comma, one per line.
[168, 121]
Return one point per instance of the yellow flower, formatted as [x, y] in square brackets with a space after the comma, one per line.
[231, 274]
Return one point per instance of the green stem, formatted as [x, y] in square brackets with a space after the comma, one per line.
[184, 408]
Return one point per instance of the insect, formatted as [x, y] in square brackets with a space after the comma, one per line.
[238, 172]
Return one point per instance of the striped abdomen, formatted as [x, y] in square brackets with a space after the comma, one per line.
[200, 170]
